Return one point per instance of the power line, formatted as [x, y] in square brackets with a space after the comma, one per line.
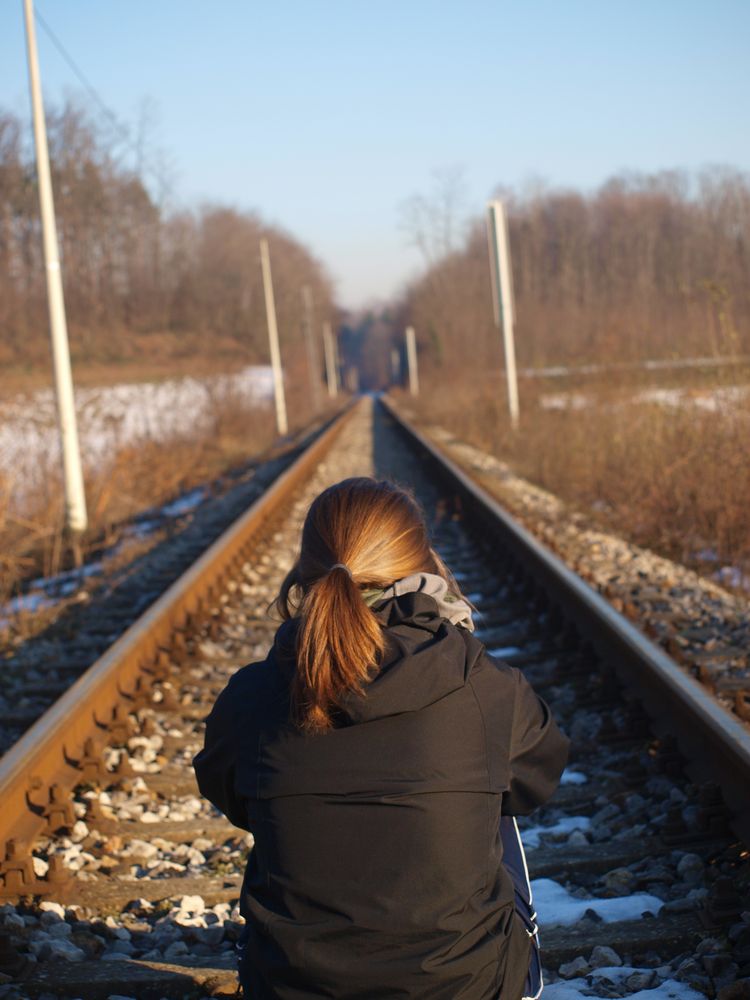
[91, 90]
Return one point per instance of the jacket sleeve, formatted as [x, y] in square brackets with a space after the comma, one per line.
[216, 764]
[538, 751]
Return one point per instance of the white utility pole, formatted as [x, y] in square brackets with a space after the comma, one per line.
[502, 296]
[312, 354]
[273, 339]
[411, 357]
[75, 498]
[330, 353]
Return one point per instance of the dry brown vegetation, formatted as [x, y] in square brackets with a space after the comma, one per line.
[673, 479]
[647, 267]
[151, 292]
[137, 477]
[140, 279]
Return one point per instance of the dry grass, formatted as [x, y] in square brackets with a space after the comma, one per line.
[32, 541]
[674, 479]
[146, 368]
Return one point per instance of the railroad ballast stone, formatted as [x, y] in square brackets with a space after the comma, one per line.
[155, 893]
[699, 623]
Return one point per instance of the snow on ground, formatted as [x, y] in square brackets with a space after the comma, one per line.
[502, 651]
[722, 399]
[556, 906]
[112, 417]
[715, 400]
[571, 777]
[581, 989]
[564, 826]
[47, 591]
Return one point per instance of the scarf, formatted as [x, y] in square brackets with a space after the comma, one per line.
[451, 607]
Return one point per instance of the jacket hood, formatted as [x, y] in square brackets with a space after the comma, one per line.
[425, 659]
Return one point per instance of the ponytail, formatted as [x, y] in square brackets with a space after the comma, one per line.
[338, 647]
[359, 533]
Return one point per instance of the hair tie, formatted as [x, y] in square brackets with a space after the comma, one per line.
[341, 566]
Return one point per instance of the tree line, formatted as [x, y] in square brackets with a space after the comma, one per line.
[139, 278]
[644, 267]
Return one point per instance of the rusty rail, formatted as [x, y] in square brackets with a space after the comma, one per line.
[38, 772]
[716, 747]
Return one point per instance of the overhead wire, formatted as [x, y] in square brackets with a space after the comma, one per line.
[122, 130]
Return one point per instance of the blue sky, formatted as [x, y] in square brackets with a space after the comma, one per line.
[326, 115]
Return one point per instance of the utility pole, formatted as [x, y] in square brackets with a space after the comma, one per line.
[312, 354]
[502, 296]
[273, 340]
[411, 357]
[330, 353]
[76, 520]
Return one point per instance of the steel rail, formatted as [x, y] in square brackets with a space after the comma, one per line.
[716, 747]
[39, 770]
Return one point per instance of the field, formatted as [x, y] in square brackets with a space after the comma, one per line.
[661, 458]
[143, 441]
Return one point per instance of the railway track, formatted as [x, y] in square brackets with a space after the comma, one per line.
[96, 607]
[120, 881]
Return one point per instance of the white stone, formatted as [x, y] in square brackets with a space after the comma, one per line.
[52, 910]
[577, 967]
[79, 832]
[143, 848]
[191, 904]
[41, 867]
[604, 957]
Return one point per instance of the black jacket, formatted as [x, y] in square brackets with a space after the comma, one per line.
[376, 870]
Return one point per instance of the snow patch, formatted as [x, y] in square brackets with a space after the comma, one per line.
[502, 651]
[556, 906]
[580, 989]
[571, 777]
[113, 417]
[531, 836]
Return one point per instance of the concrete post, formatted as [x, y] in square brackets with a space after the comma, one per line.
[502, 297]
[273, 340]
[76, 519]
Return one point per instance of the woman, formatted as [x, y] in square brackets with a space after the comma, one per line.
[372, 755]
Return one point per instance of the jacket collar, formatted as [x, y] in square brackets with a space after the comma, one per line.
[425, 659]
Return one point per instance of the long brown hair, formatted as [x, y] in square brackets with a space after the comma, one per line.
[360, 533]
